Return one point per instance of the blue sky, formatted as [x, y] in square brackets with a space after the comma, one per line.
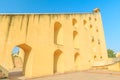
[110, 10]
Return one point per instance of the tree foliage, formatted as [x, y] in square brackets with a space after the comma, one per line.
[111, 53]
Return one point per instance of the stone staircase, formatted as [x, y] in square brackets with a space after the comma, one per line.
[3, 73]
[13, 74]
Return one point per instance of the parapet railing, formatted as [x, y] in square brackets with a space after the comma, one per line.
[106, 62]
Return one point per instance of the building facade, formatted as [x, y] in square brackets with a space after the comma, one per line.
[52, 43]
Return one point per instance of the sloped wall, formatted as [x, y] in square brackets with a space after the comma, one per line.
[37, 31]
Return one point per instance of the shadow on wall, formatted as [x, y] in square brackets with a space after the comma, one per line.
[20, 57]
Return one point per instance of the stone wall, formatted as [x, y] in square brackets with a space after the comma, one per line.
[52, 42]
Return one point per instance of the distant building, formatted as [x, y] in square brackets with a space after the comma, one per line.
[52, 43]
[118, 55]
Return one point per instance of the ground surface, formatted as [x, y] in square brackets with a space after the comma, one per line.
[82, 75]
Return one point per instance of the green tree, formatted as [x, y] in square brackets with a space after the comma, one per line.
[111, 53]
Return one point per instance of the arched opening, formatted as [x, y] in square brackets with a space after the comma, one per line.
[90, 26]
[74, 21]
[76, 61]
[95, 57]
[58, 62]
[75, 39]
[95, 19]
[90, 18]
[98, 42]
[18, 57]
[58, 33]
[84, 22]
[101, 57]
[97, 30]
[20, 54]
[92, 39]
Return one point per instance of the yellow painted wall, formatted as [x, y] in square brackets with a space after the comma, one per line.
[114, 67]
[67, 42]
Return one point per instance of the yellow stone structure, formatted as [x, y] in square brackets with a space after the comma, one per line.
[118, 54]
[115, 66]
[52, 43]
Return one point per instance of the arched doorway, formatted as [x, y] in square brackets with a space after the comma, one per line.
[76, 61]
[20, 54]
[58, 64]
[18, 57]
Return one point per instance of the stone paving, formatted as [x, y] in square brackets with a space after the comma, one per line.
[82, 75]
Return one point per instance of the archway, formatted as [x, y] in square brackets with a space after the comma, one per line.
[76, 61]
[58, 61]
[18, 57]
[22, 53]
[75, 39]
[58, 33]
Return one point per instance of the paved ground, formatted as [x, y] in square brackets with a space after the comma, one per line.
[83, 75]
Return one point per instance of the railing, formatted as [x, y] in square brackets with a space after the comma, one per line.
[106, 62]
